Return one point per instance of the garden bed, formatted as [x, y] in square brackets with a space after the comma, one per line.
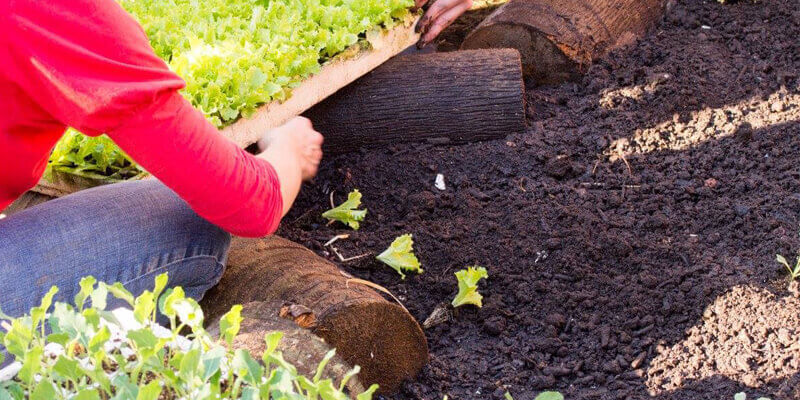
[630, 234]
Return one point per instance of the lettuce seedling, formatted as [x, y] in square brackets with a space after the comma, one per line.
[346, 213]
[83, 351]
[794, 272]
[400, 256]
[468, 286]
[549, 395]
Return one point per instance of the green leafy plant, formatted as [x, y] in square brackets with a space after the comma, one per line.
[794, 272]
[236, 55]
[468, 286]
[92, 157]
[550, 396]
[80, 352]
[400, 256]
[347, 212]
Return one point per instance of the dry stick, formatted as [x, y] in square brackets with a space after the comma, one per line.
[332, 207]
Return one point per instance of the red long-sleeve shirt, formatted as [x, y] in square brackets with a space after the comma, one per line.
[88, 64]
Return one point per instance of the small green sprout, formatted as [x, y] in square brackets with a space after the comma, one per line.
[346, 213]
[468, 286]
[794, 273]
[400, 256]
[550, 396]
[82, 351]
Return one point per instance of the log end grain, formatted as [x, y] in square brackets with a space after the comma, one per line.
[543, 60]
[366, 329]
[389, 347]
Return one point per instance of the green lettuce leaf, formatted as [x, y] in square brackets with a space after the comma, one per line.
[468, 286]
[346, 213]
[400, 256]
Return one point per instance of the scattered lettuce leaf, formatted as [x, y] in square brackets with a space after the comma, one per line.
[347, 212]
[400, 256]
[468, 286]
[550, 396]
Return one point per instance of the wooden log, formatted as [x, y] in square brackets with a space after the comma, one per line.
[366, 329]
[559, 39]
[453, 97]
[298, 346]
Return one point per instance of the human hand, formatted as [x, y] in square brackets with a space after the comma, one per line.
[294, 150]
[295, 141]
[439, 15]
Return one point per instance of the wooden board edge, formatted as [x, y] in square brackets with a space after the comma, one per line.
[331, 78]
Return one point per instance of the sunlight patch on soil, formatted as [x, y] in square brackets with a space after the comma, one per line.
[748, 335]
[699, 126]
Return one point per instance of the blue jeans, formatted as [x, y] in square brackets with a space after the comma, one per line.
[127, 232]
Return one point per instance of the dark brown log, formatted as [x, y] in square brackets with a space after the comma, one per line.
[454, 97]
[298, 345]
[366, 329]
[559, 39]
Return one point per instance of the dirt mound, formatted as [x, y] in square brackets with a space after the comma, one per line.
[748, 334]
[637, 199]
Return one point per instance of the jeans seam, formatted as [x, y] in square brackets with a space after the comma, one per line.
[165, 266]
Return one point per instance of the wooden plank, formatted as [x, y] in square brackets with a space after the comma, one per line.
[336, 74]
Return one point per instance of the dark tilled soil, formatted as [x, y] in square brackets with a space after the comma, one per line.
[630, 233]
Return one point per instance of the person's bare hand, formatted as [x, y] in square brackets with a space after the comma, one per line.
[294, 150]
[295, 140]
[439, 15]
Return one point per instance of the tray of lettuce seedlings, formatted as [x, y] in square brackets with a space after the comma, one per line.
[83, 351]
[248, 65]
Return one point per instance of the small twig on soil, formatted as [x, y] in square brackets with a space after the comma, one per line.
[376, 287]
[603, 185]
[622, 156]
[348, 259]
[335, 238]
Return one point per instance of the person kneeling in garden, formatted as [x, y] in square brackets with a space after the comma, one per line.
[87, 64]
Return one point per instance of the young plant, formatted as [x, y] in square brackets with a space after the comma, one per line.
[550, 396]
[794, 272]
[80, 352]
[400, 256]
[468, 286]
[347, 212]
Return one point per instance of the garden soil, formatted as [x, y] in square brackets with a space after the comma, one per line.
[630, 234]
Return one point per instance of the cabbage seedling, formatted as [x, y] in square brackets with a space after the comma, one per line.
[468, 286]
[400, 256]
[346, 213]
